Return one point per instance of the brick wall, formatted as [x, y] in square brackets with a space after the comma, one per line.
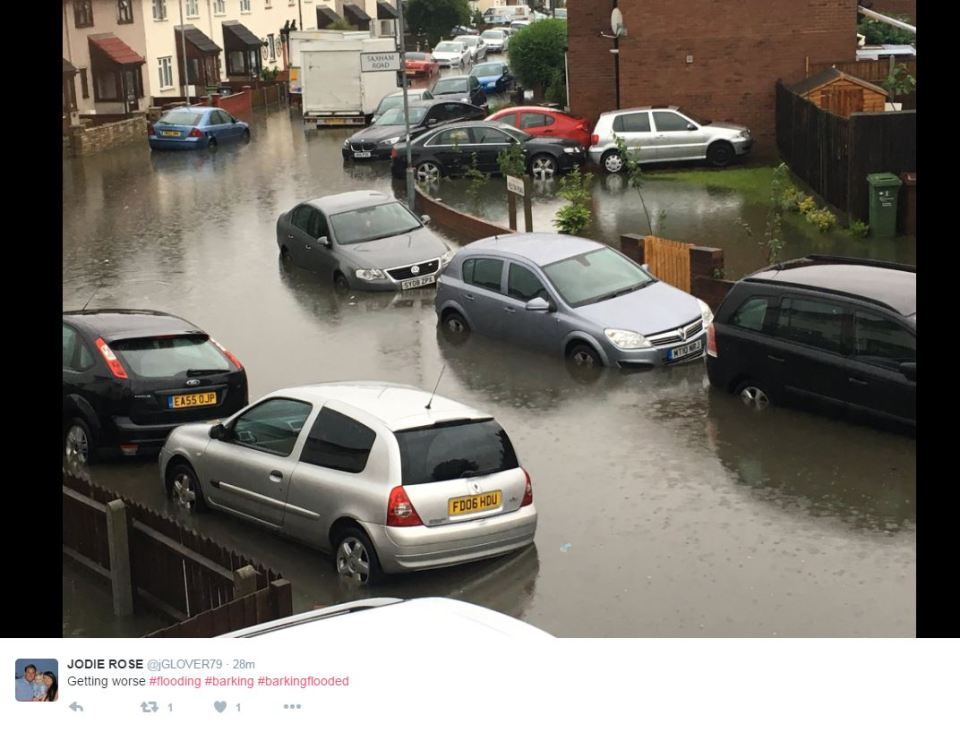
[462, 225]
[895, 7]
[105, 137]
[739, 49]
[239, 105]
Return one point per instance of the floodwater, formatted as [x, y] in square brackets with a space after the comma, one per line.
[665, 509]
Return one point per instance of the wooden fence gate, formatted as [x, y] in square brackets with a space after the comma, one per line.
[669, 261]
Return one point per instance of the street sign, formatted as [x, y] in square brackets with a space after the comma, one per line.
[389, 61]
[515, 185]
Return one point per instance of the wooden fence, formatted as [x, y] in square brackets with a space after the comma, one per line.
[669, 260]
[873, 71]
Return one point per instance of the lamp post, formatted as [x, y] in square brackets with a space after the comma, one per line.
[411, 178]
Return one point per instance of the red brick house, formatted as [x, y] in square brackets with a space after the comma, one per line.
[718, 58]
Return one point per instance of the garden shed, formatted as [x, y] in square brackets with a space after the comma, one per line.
[840, 93]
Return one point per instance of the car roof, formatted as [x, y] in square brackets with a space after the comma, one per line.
[454, 78]
[648, 108]
[396, 406]
[114, 324]
[537, 110]
[886, 284]
[539, 248]
[410, 92]
[191, 109]
[430, 619]
[340, 202]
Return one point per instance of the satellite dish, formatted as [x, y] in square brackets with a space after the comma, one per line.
[616, 23]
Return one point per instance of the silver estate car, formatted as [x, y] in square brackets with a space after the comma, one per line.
[572, 296]
[364, 240]
[384, 476]
[660, 134]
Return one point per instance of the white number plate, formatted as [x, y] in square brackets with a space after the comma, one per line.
[681, 351]
[365, 154]
[418, 282]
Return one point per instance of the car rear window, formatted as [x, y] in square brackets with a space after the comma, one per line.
[160, 356]
[452, 450]
[180, 117]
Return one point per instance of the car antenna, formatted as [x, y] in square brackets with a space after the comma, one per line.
[437, 385]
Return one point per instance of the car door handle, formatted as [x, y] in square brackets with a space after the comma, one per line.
[306, 246]
[509, 309]
[776, 358]
[290, 236]
[276, 476]
[468, 297]
[855, 380]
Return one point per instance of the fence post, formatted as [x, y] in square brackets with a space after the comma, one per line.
[632, 246]
[244, 581]
[119, 548]
[281, 599]
[527, 204]
[704, 261]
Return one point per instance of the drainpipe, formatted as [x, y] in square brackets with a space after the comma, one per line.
[67, 34]
[183, 46]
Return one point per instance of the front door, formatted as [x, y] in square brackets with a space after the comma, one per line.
[674, 140]
[876, 384]
[453, 149]
[130, 88]
[300, 243]
[490, 142]
[531, 329]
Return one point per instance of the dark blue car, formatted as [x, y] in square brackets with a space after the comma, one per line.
[190, 128]
[494, 77]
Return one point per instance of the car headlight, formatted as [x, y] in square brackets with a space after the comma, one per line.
[346, 143]
[370, 274]
[445, 258]
[628, 340]
[706, 312]
[573, 150]
[390, 141]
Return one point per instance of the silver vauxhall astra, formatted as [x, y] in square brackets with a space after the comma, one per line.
[386, 477]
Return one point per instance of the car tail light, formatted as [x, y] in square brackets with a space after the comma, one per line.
[233, 359]
[393, 153]
[594, 139]
[400, 511]
[527, 490]
[112, 361]
[712, 340]
[129, 449]
[149, 128]
[195, 132]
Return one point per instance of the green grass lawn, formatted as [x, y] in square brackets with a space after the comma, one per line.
[754, 182]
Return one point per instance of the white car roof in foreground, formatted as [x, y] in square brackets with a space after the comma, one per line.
[428, 619]
[397, 406]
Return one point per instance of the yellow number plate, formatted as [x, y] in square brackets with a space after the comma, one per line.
[181, 401]
[169, 133]
[473, 504]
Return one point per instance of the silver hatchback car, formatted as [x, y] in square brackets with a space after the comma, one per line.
[386, 477]
[661, 134]
[572, 296]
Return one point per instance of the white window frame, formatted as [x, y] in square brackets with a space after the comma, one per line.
[219, 7]
[159, 6]
[245, 7]
[168, 70]
[188, 7]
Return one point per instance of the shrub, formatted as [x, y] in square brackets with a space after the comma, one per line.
[822, 218]
[790, 200]
[806, 204]
[537, 53]
[859, 229]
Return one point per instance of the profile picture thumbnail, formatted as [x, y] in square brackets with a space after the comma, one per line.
[36, 679]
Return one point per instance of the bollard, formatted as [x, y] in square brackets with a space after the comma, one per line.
[119, 547]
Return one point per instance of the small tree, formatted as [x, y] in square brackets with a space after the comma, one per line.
[477, 19]
[631, 167]
[899, 82]
[512, 161]
[435, 18]
[877, 32]
[536, 54]
[576, 215]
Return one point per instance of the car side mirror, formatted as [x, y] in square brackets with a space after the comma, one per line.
[431, 122]
[218, 431]
[909, 370]
[691, 126]
[324, 242]
[645, 267]
[538, 305]
[234, 120]
[425, 219]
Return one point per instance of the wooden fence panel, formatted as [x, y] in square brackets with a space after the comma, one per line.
[668, 260]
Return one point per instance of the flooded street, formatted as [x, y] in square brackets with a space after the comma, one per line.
[665, 508]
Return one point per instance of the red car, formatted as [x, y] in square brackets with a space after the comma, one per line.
[420, 64]
[546, 122]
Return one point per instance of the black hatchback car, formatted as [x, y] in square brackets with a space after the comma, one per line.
[830, 333]
[376, 142]
[131, 376]
[451, 150]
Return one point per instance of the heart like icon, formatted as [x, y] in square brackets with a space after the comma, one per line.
[220, 706]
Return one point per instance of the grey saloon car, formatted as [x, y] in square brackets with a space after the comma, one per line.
[571, 296]
[364, 240]
[387, 477]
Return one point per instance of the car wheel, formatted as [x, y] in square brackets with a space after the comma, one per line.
[454, 327]
[246, 135]
[720, 154]
[340, 282]
[183, 488]
[212, 143]
[612, 161]
[754, 395]
[543, 166]
[428, 172]
[78, 446]
[356, 559]
[584, 357]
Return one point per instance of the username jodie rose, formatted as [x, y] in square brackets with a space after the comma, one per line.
[89, 663]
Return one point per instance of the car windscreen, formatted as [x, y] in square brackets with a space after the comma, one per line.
[388, 103]
[601, 274]
[181, 117]
[494, 34]
[372, 222]
[164, 356]
[487, 70]
[445, 86]
[467, 40]
[452, 450]
[395, 116]
[449, 47]
[414, 56]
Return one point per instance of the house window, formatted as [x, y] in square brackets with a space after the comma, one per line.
[244, 6]
[84, 89]
[219, 7]
[106, 86]
[166, 72]
[272, 46]
[386, 28]
[193, 8]
[124, 11]
[83, 13]
[159, 9]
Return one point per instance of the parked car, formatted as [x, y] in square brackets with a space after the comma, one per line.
[494, 77]
[519, 25]
[825, 332]
[387, 477]
[131, 376]
[376, 619]
[450, 150]
[464, 89]
[395, 99]
[496, 39]
[573, 297]
[477, 46]
[189, 128]
[376, 142]
[660, 134]
[363, 240]
[420, 64]
[452, 53]
[496, 16]
[545, 122]
[463, 30]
